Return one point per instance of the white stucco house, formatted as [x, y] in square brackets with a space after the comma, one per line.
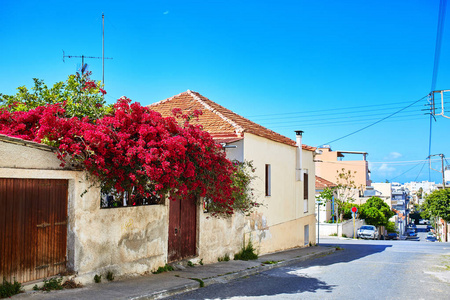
[284, 169]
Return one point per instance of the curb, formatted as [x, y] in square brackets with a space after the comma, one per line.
[229, 277]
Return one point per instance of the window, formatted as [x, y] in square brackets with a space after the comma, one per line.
[305, 192]
[305, 186]
[268, 180]
[113, 199]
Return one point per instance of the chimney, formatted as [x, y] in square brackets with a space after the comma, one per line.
[298, 168]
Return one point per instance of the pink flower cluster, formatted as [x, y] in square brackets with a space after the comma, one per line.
[133, 149]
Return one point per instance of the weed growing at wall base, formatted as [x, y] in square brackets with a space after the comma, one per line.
[8, 289]
[246, 253]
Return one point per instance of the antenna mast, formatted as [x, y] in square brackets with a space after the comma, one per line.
[103, 48]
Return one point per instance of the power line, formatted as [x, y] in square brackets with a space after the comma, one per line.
[334, 114]
[331, 109]
[347, 118]
[374, 123]
[346, 122]
[404, 172]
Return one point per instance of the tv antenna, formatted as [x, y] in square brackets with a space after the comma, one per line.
[83, 65]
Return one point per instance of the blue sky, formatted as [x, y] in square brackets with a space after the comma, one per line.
[326, 67]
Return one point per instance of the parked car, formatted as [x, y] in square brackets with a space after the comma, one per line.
[429, 227]
[367, 232]
[391, 236]
[431, 238]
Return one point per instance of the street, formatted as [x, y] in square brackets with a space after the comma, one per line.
[362, 269]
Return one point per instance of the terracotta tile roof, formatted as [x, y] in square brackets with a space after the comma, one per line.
[322, 183]
[223, 124]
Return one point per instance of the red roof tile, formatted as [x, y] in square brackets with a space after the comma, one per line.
[322, 183]
[223, 124]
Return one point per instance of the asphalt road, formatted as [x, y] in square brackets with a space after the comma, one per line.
[363, 269]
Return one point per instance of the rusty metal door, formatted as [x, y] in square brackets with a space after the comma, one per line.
[182, 228]
[33, 228]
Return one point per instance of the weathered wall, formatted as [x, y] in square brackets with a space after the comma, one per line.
[19, 155]
[278, 224]
[218, 237]
[124, 240]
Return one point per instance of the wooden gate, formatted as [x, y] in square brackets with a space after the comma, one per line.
[33, 228]
[182, 228]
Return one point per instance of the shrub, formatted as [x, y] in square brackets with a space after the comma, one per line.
[246, 253]
[8, 289]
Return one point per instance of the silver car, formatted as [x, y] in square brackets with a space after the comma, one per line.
[367, 232]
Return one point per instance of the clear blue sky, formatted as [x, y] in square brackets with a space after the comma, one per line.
[326, 67]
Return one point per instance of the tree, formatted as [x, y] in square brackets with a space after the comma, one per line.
[376, 212]
[437, 204]
[131, 149]
[419, 193]
[79, 96]
[345, 190]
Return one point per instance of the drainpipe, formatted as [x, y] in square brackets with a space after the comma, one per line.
[299, 170]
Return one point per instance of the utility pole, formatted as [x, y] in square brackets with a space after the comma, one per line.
[442, 167]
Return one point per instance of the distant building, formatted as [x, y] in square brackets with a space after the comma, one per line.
[330, 163]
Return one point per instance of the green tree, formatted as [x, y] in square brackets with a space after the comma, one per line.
[376, 212]
[80, 96]
[345, 190]
[437, 204]
[419, 193]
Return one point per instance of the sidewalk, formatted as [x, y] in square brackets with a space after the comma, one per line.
[175, 282]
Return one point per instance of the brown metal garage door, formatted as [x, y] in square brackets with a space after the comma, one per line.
[33, 228]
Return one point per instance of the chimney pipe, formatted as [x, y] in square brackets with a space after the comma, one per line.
[299, 171]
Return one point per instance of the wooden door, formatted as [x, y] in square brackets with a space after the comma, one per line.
[33, 228]
[182, 228]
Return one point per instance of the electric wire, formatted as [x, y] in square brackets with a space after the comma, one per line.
[319, 116]
[352, 108]
[344, 122]
[404, 172]
[374, 123]
[420, 170]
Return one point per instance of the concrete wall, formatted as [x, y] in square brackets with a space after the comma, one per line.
[279, 223]
[328, 229]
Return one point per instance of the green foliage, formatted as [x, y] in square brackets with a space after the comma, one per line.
[190, 264]
[437, 204]
[201, 282]
[81, 95]
[51, 284]
[110, 276]
[345, 190]
[244, 198]
[226, 257]
[8, 289]
[166, 268]
[325, 196]
[246, 253]
[347, 210]
[271, 262]
[390, 227]
[201, 262]
[97, 278]
[376, 212]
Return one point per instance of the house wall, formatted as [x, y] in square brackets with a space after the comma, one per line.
[126, 240]
[279, 223]
[330, 169]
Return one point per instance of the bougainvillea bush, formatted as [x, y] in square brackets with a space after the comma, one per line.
[136, 151]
